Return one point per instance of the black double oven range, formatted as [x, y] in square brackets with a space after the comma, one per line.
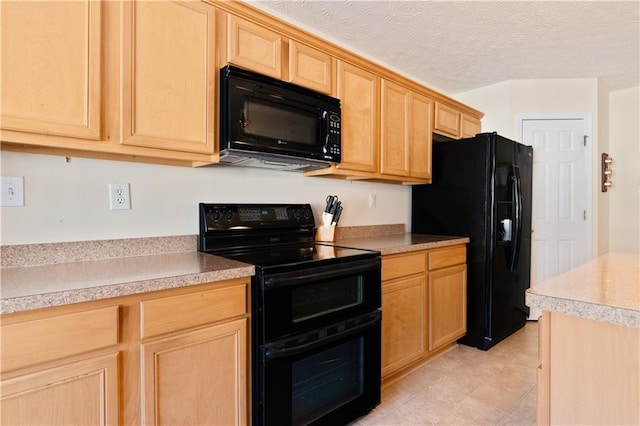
[316, 322]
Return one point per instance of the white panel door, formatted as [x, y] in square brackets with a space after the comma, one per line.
[560, 183]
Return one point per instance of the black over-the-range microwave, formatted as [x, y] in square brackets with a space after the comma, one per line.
[270, 123]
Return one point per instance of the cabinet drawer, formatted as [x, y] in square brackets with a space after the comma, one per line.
[396, 266]
[175, 313]
[34, 342]
[447, 257]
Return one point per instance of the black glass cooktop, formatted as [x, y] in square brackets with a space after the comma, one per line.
[296, 256]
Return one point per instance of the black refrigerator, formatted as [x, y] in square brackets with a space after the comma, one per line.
[482, 189]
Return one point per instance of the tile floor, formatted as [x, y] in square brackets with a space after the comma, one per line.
[467, 386]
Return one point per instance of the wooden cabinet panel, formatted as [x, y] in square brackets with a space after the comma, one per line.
[447, 120]
[254, 47]
[402, 265]
[311, 68]
[470, 126]
[57, 337]
[420, 128]
[175, 313]
[447, 305]
[80, 393]
[169, 75]
[394, 129]
[403, 324]
[448, 256]
[197, 378]
[593, 372]
[51, 67]
[359, 95]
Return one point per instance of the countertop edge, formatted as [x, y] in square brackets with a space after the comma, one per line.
[422, 246]
[582, 309]
[67, 297]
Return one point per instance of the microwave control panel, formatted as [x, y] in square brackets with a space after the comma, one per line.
[332, 143]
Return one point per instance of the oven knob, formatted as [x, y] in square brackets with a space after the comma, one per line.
[216, 215]
[307, 214]
[296, 214]
[228, 214]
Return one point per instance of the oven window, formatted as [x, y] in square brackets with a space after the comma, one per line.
[327, 380]
[314, 300]
[274, 121]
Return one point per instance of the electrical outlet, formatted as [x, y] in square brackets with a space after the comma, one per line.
[119, 196]
[12, 191]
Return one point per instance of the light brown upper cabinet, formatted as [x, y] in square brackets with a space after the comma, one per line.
[470, 126]
[405, 134]
[394, 129]
[51, 67]
[311, 68]
[358, 91]
[254, 47]
[421, 137]
[447, 120]
[169, 75]
[451, 122]
[138, 81]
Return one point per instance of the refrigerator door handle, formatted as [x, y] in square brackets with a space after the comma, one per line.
[517, 218]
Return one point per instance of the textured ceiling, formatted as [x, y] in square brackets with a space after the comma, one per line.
[456, 46]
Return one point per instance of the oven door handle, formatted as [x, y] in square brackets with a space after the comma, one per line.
[281, 352]
[317, 274]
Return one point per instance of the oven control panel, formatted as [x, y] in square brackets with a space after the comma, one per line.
[253, 216]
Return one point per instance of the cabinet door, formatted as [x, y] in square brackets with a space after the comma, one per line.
[311, 68]
[394, 131]
[358, 93]
[403, 323]
[447, 305]
[169, 75]
[254, 47]
[80, 393]
[197, 378]
[51, 67]
[470, 126]
[420, 131]
[447, 121]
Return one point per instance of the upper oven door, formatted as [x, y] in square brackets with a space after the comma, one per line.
[299, 300]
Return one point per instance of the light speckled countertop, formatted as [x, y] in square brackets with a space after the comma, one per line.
[53, 274]
[34, 287]
[401, 243]
[606, 289]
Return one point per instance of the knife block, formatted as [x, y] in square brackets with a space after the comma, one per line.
[325, 232]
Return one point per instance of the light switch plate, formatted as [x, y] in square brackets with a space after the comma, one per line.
[12, 191]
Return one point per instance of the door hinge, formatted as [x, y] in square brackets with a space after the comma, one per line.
[584, 140]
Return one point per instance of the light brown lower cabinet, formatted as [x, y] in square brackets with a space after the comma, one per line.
[169, 357]
[83, 392]
[423, 306]
[197, 378]
[589, 372]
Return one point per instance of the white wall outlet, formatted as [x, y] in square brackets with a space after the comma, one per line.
[119, 196]
[372, 201]
[12, 191]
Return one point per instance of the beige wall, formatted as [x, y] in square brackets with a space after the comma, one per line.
[624, 148]
[70, 202]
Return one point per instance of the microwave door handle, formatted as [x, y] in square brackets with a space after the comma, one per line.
[325, 145]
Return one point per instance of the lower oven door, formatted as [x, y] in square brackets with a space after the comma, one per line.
[306, 299]
[328, 376]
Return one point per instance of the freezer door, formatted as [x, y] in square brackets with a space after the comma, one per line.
[511, 239]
